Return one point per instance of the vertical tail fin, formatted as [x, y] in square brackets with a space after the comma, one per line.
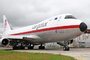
[6, 25]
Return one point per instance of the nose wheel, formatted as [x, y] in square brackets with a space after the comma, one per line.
[66, 48]
[65, 45]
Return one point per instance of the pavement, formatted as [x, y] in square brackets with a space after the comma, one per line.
[78, 53]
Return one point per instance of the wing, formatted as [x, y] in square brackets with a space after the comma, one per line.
[31, 38]
[13, 40]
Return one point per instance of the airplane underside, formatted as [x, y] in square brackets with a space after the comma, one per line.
[23, 44]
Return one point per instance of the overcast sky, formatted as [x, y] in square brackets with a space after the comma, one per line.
[26, 12]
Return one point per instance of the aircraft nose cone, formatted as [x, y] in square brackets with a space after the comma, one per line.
[83, 27]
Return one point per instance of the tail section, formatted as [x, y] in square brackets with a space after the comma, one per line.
[6, 25]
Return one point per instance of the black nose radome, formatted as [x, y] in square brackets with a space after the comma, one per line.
[83, 27]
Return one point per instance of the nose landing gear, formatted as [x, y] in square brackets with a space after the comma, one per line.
[65, 45]
[66, 48]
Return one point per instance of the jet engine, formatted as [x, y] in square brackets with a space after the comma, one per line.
[4, 42]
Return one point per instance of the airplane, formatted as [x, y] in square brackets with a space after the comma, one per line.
[59, 28]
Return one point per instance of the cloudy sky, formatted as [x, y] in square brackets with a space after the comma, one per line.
[26, 12]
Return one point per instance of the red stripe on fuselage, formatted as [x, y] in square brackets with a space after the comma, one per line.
[47, 29]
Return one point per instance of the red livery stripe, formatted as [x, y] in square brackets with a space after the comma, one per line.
[47, 29]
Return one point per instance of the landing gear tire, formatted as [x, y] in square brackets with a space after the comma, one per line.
[41, 47]
[66, 48]
[30, 47]
[15, 47]
[22, 47]
[18, 47]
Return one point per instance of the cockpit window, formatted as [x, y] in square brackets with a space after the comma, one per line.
[69, 17]
[56, 18]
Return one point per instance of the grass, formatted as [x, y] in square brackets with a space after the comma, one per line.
[11, 55]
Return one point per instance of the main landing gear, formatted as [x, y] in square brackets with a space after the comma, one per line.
[31, 46]
[19, 45]
[65, 45]
[41, 47]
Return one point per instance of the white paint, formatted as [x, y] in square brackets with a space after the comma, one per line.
[47, 36]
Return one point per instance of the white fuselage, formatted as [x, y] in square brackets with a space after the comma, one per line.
[50, 30]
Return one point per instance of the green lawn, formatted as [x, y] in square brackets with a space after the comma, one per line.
[11, 55]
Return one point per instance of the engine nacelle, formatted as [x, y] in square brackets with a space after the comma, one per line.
[4, 42]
